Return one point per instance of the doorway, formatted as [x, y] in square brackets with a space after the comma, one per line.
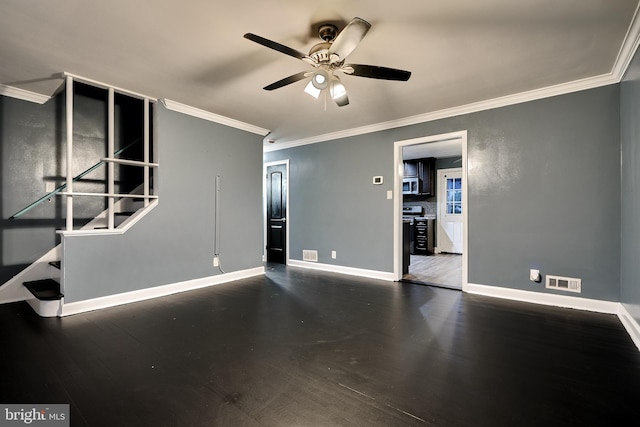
[444, 264]
[276, 189]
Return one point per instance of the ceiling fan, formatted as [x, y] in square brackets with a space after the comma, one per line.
[328, 57]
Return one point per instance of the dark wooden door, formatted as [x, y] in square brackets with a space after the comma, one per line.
[277, 213]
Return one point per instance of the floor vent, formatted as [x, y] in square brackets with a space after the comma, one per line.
[310, 255]
[560, 283]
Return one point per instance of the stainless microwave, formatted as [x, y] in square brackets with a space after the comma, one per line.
[411, 186]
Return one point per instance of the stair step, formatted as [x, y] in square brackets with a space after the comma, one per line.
[56, 264]
[44, 290]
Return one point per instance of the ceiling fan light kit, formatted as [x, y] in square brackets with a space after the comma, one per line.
[312, 90]
[329, 56]
[320, 79]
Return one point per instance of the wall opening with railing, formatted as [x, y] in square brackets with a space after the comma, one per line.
[106, 173]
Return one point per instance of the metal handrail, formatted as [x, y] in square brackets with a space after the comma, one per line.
[77, 178]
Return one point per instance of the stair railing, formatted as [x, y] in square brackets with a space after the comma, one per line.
[76, 178]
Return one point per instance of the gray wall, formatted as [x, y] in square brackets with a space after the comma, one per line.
[544, 192]
[333, 204]
[174, 242]
[630, 210]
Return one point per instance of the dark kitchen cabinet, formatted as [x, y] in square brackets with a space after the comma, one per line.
[424, 230]
[425, 169]
[410, 168]
[406, 244]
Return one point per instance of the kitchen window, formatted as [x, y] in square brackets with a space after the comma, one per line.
[454, 195]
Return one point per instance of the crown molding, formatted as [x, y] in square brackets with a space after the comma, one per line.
[206, 115]
[547, 92]
[625, 55]
[22, 94]
[628, 48]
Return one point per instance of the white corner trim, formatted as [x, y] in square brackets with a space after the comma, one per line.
[206, 115]
[22, 94]
[630, 324]
[156, 292]
[566, 301]
[372, 274]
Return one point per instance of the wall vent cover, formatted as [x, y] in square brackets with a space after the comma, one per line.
[310, 255]
[570, 284]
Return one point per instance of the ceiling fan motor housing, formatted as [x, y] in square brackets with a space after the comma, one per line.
[320, 52]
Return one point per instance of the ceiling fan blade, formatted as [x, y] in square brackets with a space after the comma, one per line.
[375, 72]
[277, 46]
[338, 92]
[347, 40]
[287, 80]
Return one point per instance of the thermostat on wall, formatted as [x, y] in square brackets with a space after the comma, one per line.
[377, 180]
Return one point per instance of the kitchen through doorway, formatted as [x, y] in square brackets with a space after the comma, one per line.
[431, 229]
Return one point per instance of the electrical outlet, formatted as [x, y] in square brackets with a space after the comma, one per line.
[389, 195]
[216, 261]
[534, 276]
[334, 255]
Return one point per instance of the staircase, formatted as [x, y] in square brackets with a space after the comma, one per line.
[41, 283]
[47, 298]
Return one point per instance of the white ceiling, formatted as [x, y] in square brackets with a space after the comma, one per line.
[193, 52]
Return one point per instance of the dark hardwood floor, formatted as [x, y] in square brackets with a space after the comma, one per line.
[308, 348]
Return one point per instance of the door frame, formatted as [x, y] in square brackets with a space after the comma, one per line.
[264, 209]
[397, 200]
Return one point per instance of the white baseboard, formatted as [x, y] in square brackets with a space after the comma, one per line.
[566, 301]
[372, 274]
[155, 292]
[544, 298]
[630, 324]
